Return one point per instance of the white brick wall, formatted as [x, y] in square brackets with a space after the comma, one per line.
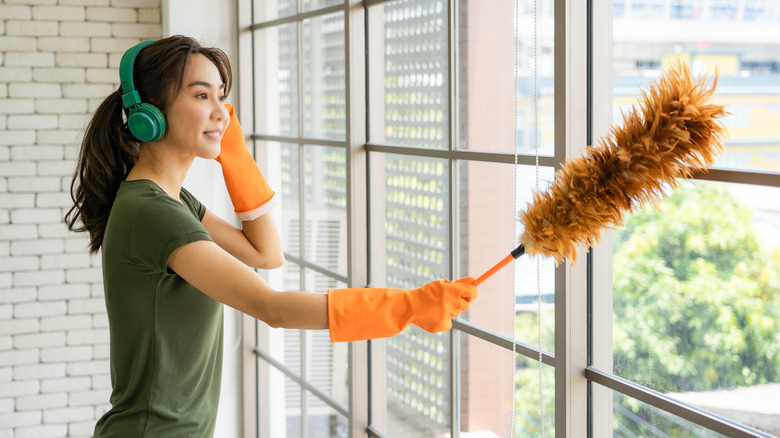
[58, 60]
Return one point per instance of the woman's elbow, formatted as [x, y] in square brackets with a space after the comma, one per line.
[269, 261]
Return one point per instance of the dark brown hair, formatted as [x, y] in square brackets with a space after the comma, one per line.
[108, 150]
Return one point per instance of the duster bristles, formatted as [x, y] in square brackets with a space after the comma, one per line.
[672, 132]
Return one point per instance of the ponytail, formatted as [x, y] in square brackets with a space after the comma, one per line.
[108, 152]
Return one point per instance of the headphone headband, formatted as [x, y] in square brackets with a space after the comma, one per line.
[130, 96]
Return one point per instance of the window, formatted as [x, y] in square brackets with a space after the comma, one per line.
[404, 136]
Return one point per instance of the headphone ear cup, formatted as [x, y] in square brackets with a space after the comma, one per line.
[146, 122]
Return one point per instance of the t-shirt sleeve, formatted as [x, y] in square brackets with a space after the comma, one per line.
[165, 225]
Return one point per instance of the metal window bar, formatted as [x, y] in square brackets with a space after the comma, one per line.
[341, 409]
[665, 403]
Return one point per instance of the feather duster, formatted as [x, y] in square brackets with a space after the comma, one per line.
[672, 132]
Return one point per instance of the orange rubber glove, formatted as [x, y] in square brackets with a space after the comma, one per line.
[368, 313]
[250, 193]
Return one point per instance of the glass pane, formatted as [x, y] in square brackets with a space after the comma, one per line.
[276, 80]
[486, 52]
[416, 221]
[289, 195]
[322, 421]
[487, 391]
[323, 77]
[633, 418]
[489, 230]
[310, 5]
[327, 364]
[265, 10]
[697, 298]
[418, 388]
[413, 109]
[282, 400]
[737, 38]
[325, 203]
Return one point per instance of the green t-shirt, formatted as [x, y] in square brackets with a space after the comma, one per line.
[166, 336]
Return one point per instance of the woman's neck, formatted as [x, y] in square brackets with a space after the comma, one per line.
[157, 164]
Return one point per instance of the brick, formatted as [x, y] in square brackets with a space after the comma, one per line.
[65, 384]
[84, 3]
[78, 244]
[56, 168]
[112, 14]
[72, 121]
[66, 354]
[20, 295]
[59, 13]
[11, 264]
[90, 305]
[63, 261]
[16, 326]
[32, 59]
[55, 138]
[102, 76]
[17, 44]
[81, 60]
[86, 90]
[42, 431]
[17, 200]
[16, 232]
[15, 74]
[53, 200]
[59, 75]
[68, 415]
[66, 322]
[38, 340]
[32, 121]
[82, 398]
[31, 28]
[19, 419]
[34, 184]
[17, 106]
[59, 106]
[37, 215]
[39, 309]
[39, 371]
[149, 15]
[6, 280]
[88, 337]
[136, 3]
[116, 45]
[63, 292]
[16, 169]
[91, 275]
[135, 30]
[88, 29]
[6, 313]
[41, 401]
[15, 12]
[38, 278]
[63, 44]
[37, 247]
[18, 357]
[17, 138]
[34, 90]
[102, 351]
[91, 368]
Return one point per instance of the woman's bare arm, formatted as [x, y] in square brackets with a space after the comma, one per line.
[215, 272]
[256, 243]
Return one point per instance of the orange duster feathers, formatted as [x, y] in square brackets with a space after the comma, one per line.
[672, 132]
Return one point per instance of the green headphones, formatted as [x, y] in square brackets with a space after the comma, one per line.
[146, 121]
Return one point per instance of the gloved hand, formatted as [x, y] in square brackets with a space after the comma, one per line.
[246, 185]
[367, 313]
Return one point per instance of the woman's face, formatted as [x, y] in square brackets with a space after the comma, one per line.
[197, 116]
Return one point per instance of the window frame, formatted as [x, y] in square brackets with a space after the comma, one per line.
[583, 296]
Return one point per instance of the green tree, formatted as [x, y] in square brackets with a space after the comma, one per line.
[696, 295]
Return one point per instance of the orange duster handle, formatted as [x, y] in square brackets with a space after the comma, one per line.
[515, 254]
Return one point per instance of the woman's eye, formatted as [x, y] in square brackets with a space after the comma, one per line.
[202, 96]
[222, 98]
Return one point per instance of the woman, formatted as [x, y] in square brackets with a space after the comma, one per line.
[169, 263]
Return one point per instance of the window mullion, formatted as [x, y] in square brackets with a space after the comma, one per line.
[570, 44]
